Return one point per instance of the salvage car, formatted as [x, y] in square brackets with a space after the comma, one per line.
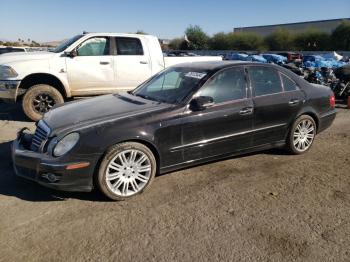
[183, 116]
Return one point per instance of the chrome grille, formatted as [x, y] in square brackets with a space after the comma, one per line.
[41, 134]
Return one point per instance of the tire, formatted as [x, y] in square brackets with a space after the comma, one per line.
[120, 179]
[39, 99]
[301, 135]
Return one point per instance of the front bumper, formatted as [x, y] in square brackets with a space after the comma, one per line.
[39, 167]
[9, 90]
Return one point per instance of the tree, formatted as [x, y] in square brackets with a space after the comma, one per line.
[280, 40]
[312, 40]
[176, 43]
[219, 41]
[341, 37]
[198, 40]
[245, 41]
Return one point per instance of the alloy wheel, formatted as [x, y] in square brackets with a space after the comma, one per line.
[128, 172]
[304, 135]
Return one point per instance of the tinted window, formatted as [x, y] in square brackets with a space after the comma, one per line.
[288, 84]
[225, 86]
[264, 80]
[171, 86]
[129, 46]
[96, 46]
[10, 50]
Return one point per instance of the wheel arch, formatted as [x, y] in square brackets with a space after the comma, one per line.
[44, 78]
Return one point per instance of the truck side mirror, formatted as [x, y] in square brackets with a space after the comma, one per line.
[201, 102]
[72, 53]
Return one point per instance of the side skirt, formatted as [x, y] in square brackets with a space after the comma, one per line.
[196, 162]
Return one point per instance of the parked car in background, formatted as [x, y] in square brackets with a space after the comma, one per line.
[85, 65]
[10, 49]
[292, 57]
[185, 115]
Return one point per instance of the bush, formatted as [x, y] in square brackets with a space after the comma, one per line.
[341, 37]
[280, 40]
[312, 40]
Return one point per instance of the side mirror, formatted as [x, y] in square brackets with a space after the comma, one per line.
[72, 53]
[201, 102]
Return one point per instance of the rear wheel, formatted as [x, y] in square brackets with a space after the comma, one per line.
[126, 170]
[302, 135]
[39, 99]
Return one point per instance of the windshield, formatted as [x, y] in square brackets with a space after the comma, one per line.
[66, 44]
[171, 86]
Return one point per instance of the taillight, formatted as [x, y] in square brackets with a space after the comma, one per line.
[332, 100]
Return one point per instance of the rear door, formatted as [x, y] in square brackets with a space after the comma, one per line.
[274, 108]
[226, 126]
[131, 62]
[91, 71]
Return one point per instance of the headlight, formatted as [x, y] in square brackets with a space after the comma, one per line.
[63, 146]
[7, 72]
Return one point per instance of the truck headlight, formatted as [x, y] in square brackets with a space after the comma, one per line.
[7, 72]
[63, 146]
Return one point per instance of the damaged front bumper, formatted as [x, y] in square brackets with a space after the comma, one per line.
[75, 174]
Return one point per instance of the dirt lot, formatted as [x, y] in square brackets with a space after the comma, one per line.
[267, 206]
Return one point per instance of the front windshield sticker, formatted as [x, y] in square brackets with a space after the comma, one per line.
[195, 75]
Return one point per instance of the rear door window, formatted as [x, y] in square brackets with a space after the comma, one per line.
[288, 84]
[129, 46]
[264, 80]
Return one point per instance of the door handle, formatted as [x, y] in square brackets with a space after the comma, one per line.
[246, 111]
[104, 63]
[293, 102]
[143, 62]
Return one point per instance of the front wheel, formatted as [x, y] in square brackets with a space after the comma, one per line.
[39, 99]
[126, 170]
[301, 135]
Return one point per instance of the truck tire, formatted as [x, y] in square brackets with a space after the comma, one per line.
[39, 99]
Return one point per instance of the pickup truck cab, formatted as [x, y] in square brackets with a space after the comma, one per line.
[85, 65]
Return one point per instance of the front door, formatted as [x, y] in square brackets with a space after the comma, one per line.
[132, 63]
[226, 126]
[91, 70]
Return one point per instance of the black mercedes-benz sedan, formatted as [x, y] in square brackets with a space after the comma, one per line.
[183, 116]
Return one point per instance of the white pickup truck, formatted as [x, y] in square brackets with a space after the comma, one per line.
[85, 65]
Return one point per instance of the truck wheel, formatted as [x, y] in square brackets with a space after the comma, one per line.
[126, 170]
[39, 99]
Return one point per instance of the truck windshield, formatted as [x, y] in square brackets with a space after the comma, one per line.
[63, 46]
[171, 86]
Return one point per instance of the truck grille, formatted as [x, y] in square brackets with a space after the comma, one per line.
[41, 135]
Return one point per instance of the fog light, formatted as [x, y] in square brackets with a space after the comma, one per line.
[51, 177]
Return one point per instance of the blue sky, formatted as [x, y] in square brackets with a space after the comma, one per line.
[56, 20]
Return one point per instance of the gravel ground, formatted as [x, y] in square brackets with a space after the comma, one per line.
[267, 206]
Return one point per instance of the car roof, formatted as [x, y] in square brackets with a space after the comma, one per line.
[216, 65]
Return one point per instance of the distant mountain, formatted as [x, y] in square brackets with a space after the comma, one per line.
[52, 43]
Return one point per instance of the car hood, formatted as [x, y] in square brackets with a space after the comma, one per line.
[95, 111]
[23, 56]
